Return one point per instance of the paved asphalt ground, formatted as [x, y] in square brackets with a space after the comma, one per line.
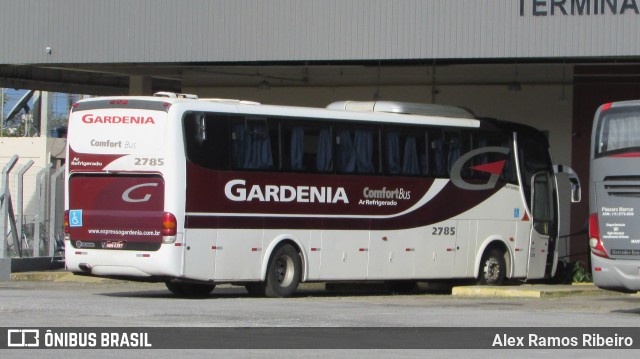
[580, 305]
[515, 291]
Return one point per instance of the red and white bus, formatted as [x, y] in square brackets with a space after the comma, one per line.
[197, 192]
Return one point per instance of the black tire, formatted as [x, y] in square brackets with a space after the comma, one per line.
[283, 273]
[493, 268]
[190, 290]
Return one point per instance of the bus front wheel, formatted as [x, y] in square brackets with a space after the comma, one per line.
[283, 273]
[493, 268]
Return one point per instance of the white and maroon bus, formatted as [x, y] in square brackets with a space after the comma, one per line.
[197, 192]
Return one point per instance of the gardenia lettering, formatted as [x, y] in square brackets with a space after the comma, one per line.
[135, 120]
[237, 190]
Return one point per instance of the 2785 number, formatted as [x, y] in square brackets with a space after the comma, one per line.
[443, 231]
[144, 161]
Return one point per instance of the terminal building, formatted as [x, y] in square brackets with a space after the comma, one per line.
[545, 63]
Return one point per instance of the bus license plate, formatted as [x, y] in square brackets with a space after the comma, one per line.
[113, 244]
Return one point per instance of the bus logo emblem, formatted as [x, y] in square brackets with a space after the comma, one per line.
[494, 168]
[126, 195]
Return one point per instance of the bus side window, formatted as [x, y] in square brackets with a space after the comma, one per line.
[455, 147]
[438, 152]
[410, 161]
[509, 172]
[307, 147]
[206, 139]
[392, 152]
[296, 153]
[481, 140]
[447, 148]
[404, 151]
[357, 149]
[324, 158]
[251, 145]
[425, 153]
[542, 210]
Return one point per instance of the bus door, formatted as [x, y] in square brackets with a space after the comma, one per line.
[544, 230]
[538, 185]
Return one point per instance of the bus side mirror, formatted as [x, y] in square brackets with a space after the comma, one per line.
[576, 191]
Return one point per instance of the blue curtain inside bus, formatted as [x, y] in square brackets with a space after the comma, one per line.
[439, 158]
[252, 146]
[355, 155]
[410, 160]
[392, 154]
[297, 148]
[325, 154]
[301, 161]
[364, 152]
[408, 157]
[454, 152]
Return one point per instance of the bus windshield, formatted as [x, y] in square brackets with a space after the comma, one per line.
[618, 132]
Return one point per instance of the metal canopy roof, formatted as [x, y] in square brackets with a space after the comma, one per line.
[95, 46]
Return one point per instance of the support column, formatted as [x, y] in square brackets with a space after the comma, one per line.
[5, 203]
[5, 269]
[44, 113]
[140, 85]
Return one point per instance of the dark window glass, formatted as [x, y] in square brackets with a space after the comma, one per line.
[481, 166]
[533, 157]
[206, 139]
[254, 144]
[307, 146]
[405, 151]
[357, 149]
[446, 147]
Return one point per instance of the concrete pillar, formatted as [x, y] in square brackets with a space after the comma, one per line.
[140, 85]
[44, 112]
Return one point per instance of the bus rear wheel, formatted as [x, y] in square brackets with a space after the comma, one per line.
[283, 273]
[190, 290]
[493, 268]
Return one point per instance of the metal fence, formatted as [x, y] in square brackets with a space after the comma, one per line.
[24, 236]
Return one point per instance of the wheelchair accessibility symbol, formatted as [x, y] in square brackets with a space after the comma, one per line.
[75, 218]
